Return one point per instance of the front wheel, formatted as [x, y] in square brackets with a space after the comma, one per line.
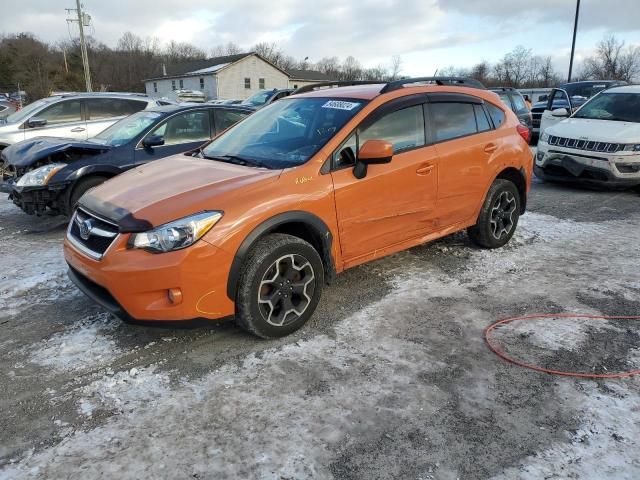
[499, 216]
[80, 188]
[280, 286]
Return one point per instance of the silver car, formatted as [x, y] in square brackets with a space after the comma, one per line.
[73, 115]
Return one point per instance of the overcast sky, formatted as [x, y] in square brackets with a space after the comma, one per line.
[428, 34]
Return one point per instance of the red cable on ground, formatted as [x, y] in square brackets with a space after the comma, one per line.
[504, 356]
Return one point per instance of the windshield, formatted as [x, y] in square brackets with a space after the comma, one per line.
[284, 134]
[260, 98]
[622, 107]
[127, 129]
[21, 115]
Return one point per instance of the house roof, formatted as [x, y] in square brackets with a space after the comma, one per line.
[200, 67]
[308, 75]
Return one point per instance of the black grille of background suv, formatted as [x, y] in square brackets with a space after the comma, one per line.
[101, 236]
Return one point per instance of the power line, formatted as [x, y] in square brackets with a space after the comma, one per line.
[84, 20]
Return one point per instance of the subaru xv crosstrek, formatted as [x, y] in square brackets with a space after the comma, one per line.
[271, 210]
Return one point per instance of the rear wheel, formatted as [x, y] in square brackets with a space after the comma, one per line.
[499, 216]
[80, 188]
[280, 286]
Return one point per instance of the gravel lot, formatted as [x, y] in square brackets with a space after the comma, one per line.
[391, 379]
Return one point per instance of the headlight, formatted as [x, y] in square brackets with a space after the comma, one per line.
[632, 148]
[175, 235]
[39, 176]
[544, 138]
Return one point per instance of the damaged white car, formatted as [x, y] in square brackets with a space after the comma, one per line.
[599, 144]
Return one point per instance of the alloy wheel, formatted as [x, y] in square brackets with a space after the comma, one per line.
[286, 290]
[502, 215]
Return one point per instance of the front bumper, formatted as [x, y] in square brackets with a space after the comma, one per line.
[134, 284]
[36, 200]
[589, 168]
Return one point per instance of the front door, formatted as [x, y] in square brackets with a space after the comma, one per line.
[63, 119]
[394, 202]
[559, 99]
[181, 133]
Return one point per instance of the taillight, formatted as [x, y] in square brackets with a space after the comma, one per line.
[524, 132]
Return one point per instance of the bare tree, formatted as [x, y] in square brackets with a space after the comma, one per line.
[351, 69]
[612, 61]
[396, 67]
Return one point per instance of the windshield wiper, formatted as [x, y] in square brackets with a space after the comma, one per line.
[237, 160]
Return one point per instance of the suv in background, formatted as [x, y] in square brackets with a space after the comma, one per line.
[570, 96]
[76, 115]
[513, 99]
[599, 143]
[367, 170]
[266, 97]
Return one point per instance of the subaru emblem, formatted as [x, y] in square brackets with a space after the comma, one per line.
[85, 229]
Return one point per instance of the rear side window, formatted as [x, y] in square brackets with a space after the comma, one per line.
[403, 128]
[452, 120]
[519, 105]
[496, 114]
[481, 119]
[102, 108]
[225, 118]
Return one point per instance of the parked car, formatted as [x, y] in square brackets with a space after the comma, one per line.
[53, 173]
[266, 97]
[515, 101]
[302, 189]
[77, 116]
[568, 95]
[598, 144]
[189, 96]
[7, 107]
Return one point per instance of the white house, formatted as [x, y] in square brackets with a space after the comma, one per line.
[229, 77]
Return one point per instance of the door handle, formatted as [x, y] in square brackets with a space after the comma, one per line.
[425, 170]
[77, 129]
[490, 147]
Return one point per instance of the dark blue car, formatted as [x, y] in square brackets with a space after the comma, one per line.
[48, 173]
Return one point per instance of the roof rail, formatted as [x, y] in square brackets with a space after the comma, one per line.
[98, 94]
[451, 81]
[346, 83]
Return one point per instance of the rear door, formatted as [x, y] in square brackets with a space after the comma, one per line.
[64, 119]
[104, 112]
[224, 118]
[464, 142]
[394, 202]
[181, 132]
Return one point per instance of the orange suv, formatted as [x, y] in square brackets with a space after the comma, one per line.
[254, 223]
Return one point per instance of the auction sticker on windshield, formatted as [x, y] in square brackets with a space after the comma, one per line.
[340, 105]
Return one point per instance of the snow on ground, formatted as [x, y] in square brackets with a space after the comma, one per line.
[260, 419]
[85, 345]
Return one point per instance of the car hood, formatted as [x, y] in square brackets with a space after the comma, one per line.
[27, 152]
[168, 189]
[597, 130]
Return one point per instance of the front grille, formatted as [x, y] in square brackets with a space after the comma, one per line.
[91, 235]
[602, 147]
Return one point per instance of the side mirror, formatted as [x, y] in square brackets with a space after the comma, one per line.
[560, 112]
[372, 152]
[153, 141]
[36, 122]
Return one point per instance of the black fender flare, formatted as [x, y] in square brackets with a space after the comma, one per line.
[320, 231]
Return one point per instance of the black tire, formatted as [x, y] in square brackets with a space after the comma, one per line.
[79, 189]
[498, 217]
[295, 281]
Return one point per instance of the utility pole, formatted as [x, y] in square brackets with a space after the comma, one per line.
[83, 20]
[573, 44]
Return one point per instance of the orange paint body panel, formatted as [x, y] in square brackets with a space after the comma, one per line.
[422, 194]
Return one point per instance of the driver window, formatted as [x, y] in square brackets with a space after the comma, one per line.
[403, 128]
[558, 96]
[345, 156]
[62, 112]
[185, 128]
